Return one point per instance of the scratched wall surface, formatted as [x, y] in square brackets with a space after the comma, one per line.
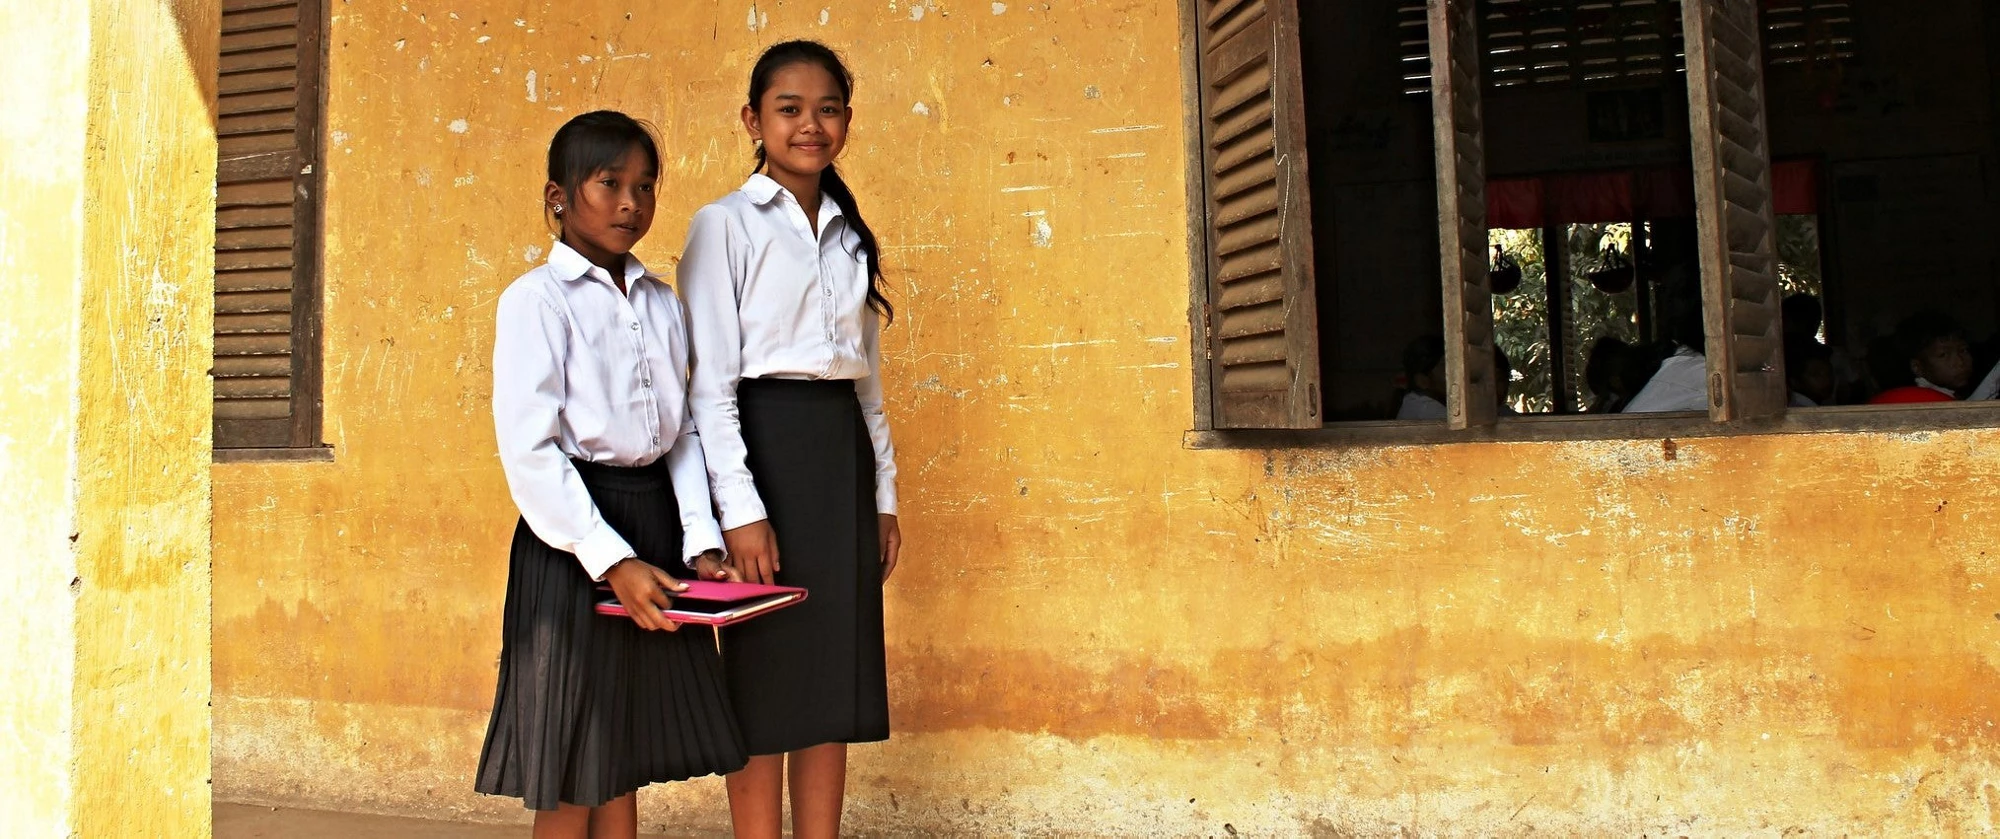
[107, 207]
[1096, 630]
[142, 452]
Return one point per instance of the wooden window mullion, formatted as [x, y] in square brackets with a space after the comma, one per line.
[1733, 209]
[1261, 338]
[1556, 267]
[1472, 398]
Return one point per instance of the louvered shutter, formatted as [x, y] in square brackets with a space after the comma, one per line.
[1461, 184]
[1263, 352]
[1732, 161]
[266, 243]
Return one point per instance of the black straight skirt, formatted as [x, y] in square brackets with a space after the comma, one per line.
[591, 707]
[813, 673]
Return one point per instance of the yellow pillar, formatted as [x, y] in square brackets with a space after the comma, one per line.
[107, 171]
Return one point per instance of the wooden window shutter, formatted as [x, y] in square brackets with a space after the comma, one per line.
[266, 226]
[1263, 350]
[1461, 184]
[1732, 167]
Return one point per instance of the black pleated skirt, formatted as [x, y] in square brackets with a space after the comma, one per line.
[813, 673]
[591, 707]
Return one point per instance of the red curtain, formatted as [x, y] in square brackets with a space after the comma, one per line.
[1641, 195]
[1795, 187]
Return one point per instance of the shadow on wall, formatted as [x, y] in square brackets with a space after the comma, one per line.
[197, 25]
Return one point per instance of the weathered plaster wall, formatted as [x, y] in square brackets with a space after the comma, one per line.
[1096, 630]
[41, 257]
[142, 450]
[106, 235]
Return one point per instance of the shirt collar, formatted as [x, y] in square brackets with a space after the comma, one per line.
[763, 190]
[570, 265]
[1923, 382]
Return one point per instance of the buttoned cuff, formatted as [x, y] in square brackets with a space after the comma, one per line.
[700, 539]
[740, 505]
[602, 549]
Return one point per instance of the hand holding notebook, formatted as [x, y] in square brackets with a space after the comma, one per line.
[714, 603]
[644, 587]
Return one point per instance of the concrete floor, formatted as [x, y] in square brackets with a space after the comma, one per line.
[244, 821]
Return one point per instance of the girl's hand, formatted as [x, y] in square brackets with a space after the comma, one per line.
[643, 589]
[753, 549]
[709, 566]
[892, 544]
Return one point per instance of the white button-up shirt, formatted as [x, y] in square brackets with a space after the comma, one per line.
[1988, 388]
[768, 299]
[1681, 384]
[1420, 406]
[1928, 384]
[582, 371]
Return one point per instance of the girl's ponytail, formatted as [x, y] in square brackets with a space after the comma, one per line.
[831, 183]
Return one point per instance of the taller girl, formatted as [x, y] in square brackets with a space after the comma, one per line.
[782, 279]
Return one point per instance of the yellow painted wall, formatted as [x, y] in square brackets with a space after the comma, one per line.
[1096, 630]
[142, 452]
[107, 171]
[41, 255]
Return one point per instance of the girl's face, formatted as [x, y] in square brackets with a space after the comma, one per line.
[802, 120]
[610, 211]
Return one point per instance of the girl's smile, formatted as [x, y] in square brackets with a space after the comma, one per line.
[802, 121]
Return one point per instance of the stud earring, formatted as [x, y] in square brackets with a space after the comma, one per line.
[558, 209]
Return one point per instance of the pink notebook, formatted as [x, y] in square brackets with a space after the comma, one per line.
[712, 603]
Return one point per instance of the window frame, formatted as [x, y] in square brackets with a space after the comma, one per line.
[1557, 428]
[1726, 416]
[301, 436]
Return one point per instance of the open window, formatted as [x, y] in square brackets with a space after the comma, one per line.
[1531, 185]
[1887, 112]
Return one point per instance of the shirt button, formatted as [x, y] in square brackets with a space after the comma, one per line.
[646, 382]
[635, 326]
[656, 439]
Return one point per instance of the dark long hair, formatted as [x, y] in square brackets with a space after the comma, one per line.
[592, 142]
[787, 54]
